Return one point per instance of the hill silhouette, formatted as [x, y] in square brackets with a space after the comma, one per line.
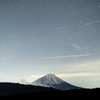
[79, 94]
[16, 88]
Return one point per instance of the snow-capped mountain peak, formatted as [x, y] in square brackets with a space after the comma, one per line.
[51, 80]
[47, 80]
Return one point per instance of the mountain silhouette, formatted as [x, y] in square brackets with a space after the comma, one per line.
[16, 88]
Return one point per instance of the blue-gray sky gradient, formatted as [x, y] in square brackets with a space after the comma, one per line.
[62, 37]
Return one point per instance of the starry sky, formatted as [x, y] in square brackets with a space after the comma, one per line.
[61, 37]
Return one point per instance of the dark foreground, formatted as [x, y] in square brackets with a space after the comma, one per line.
[82, 94]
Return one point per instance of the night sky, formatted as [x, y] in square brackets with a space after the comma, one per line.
[61, 37]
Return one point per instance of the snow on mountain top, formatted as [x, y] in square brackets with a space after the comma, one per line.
[51, 80]
[47, 80]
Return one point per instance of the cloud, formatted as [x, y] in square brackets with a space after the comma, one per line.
[82, 69]
[92, 22]
[92, 64]
[35, 76]
[63, 75]
[77, 74]
[32, 78]
[78, 47]
[69, 56]
[87, 68]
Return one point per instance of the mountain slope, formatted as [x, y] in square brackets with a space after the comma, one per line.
[50, 80]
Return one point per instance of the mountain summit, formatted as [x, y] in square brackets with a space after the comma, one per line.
[51, 80]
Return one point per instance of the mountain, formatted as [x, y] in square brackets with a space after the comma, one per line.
[23, 81]
[50, 80]
[16, 88]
